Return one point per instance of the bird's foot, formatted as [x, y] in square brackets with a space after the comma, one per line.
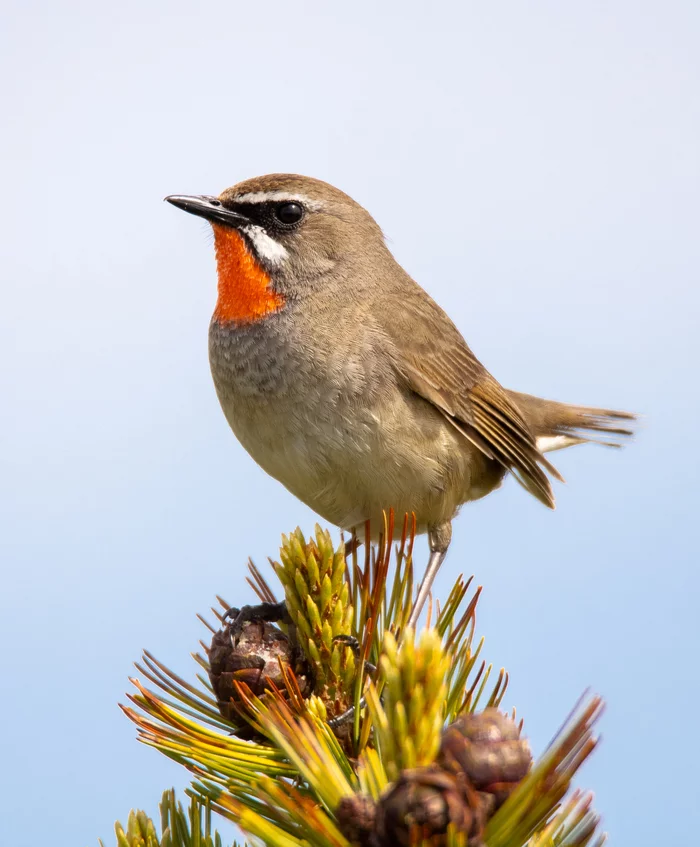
[369, 668]
[354, 645]
[268, 612]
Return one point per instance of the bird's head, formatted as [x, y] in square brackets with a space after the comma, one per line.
[278, 236]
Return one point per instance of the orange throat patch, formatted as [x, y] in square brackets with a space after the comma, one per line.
[245, 293]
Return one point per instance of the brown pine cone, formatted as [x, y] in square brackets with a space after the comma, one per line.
[253, 657]
[486, 747]
[422, 803]
[356, 815]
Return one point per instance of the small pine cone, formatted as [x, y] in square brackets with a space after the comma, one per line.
[487, 748]
[422, 803]
[252, 657]
[356, 815]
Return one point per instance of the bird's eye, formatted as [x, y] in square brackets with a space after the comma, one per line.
[289, 213]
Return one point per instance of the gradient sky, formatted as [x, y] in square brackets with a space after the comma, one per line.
[534, 166]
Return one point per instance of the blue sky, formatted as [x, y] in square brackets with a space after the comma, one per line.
[535, 167]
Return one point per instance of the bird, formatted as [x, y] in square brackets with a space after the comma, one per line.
[348, 383]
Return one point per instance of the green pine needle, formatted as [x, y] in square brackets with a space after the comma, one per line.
[178, 828]
[283, 788]
[409, 722]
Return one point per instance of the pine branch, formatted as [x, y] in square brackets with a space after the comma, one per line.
[178, 828]
[429, 756]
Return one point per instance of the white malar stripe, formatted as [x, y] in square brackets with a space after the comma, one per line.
[277, 197]
[549, 443]
[266, 247]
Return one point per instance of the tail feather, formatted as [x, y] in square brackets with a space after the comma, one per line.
[558, 425]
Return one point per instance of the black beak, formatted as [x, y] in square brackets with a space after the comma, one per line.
[209, 208]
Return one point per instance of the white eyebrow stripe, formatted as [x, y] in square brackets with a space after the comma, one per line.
[266, 247]
[278, 196]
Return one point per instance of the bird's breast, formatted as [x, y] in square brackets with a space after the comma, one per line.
[337, 428]
[245, 292]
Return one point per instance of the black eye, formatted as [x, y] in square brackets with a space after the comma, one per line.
[289, 213]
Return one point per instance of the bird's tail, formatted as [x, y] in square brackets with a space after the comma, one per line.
[557, 425]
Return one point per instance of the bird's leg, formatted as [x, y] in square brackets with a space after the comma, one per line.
[439, 540]
[347, 716]
[354, 645]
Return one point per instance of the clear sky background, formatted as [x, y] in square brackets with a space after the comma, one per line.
[535, 167]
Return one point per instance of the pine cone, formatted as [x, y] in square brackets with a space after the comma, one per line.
[253, 657]
[422, 803]
[486, 747]
[356, 815]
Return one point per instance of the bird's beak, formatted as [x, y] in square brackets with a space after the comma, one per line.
[209, 208]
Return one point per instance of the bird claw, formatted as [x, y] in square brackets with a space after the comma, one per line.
[369, 668]
[268, 612]
[352, 642]
[346, 717]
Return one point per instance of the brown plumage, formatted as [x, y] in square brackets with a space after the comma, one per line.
[348, 383]
[573, 424]
[443, 370]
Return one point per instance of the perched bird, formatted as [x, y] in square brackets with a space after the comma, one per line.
[346, 382]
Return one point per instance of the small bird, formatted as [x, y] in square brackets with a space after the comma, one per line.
[346, 382]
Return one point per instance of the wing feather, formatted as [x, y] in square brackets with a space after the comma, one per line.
[434, 359]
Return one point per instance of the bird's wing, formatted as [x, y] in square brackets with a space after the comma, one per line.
[431, 355]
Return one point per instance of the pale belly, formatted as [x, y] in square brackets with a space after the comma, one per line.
[344, 438]
[352, 464]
